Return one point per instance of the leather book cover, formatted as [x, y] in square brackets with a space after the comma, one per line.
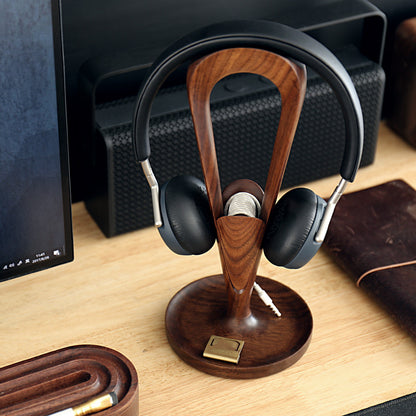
[373, 237]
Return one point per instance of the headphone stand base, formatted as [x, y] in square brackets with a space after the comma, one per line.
[271, 344]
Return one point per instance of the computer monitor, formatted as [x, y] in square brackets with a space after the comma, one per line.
[35, 211]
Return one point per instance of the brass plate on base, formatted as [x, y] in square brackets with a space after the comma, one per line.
[224, 349]
[271, 344]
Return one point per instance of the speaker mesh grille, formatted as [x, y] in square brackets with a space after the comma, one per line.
[244, 132]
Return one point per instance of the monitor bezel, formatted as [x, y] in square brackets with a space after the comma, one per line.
[68, 254]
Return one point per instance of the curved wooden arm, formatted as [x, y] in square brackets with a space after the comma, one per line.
[197, 312]
[239, 238]
[288, 77]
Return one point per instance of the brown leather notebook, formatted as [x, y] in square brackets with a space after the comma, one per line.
[373, 237]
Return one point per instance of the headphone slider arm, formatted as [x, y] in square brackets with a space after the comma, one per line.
[154, 189]
[329, 210]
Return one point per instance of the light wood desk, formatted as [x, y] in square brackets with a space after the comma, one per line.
[116, 291]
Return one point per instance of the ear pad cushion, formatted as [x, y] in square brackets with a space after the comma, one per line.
[188, 226]
[293, 218]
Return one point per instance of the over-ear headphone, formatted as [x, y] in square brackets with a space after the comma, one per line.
[298, 223]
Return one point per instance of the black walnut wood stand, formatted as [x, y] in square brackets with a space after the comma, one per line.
[222, 305]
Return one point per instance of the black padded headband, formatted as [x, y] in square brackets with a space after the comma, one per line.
[272, 37]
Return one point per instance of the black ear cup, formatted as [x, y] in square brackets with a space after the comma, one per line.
[294, 220]
[188, 226]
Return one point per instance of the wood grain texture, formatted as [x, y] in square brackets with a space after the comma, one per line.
[239, 238]
[271, 344]
[66, 378]
[240, 252]
[290, 80]
[116, 292]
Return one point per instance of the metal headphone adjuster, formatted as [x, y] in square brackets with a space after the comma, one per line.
[329, 210]
[154, 189]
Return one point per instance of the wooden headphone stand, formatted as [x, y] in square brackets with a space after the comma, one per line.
[222, 305]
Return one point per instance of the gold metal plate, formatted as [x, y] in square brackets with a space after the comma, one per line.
[224, 349]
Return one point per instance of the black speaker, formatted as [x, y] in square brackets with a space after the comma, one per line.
[245, 111]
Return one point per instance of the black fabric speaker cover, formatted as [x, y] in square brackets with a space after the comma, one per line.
[120, 198]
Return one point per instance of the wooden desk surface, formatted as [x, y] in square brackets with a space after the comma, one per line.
[116, 291]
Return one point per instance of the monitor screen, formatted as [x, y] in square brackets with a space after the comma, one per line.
[35, 212]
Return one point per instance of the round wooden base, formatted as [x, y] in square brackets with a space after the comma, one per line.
[272, 344]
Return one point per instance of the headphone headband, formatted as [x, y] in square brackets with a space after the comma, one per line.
[270, 36]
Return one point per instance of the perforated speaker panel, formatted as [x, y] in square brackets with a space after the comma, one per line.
[244, 130]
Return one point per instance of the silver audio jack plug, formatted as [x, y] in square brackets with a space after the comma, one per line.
[267, 300]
